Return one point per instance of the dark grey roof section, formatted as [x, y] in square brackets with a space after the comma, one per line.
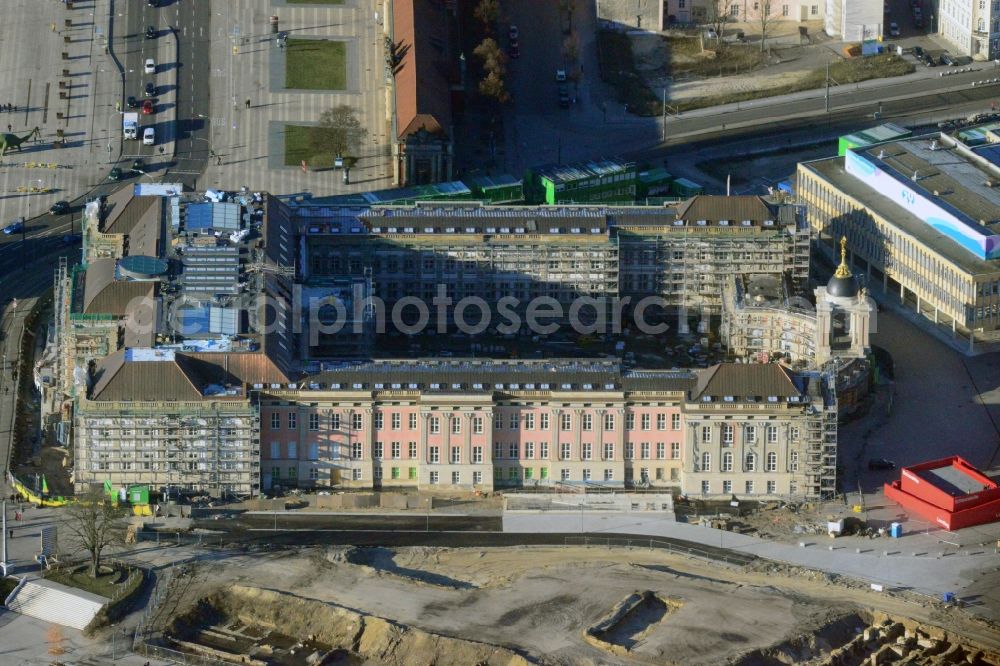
[732, 208]
[740, 381]
[211, 269]
[487, 376]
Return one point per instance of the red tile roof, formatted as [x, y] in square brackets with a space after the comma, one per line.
[423, 98]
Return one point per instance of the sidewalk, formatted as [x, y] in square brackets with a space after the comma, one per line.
[35, 37]
[247, 64]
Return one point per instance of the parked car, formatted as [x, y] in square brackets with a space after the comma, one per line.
[513, 32]
[115, 174]
[947, 59]
[893, 29]
[138, 165]
[150, 66]
[151, 32]
[148, 136]
[59, 208]
[563, 96]
[153, 3]
[16, 226]
[929, 60]
[919, 52]
[150, 89]
[147, 106]
[515, 49]
[132, 102]
[560, 75]
[918, 22]
[880, 464]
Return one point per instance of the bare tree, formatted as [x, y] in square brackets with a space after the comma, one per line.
[766, 20]
[95, 523]
[567, 6]
[718, 16]
[487, 11]
[340, 132]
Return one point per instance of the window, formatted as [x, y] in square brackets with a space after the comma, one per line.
[456, 455]
[456, 425]
[588, 422]
[706, 462]
[734, 10]
[356, 423]
[275, 450]
[727, 461]
[675, 450]
[514, 421]
[587, 451]
[772, 487]
[413, 473]
[313, 451]
[675, 421]
[706, 487]
[395, 450]
[609, 450]
[644, 450]
[515, 450]
[394, 473]
[376, 470]
[544, 422]
[356, 474]
[586, 474]
[772, 462]
[396, 421]
[292, 420]
[661, 421]
[413, 421]
[529, 450]
[750, 435]
[564, 451]
[749, 487]
[772, 434]
[609, 475]
[314, 421]
[477, 425]
[566, 422]
[435, 425]
[435, 454]
[512, 474]
[477, 454]
[706, 434]
[477, 478]
[293, 450]
[313, 474]
[645, 421]
[793, 462]
[498, 422]
[564, 474]
[609, 422]
[529, 421]
[681, 4]
[630, 421]
[728, 435]
[435, 478]
[456, 478]
[751, 463]
[661, 450]
[497, 450]
[275, 420]
[275, 473]
[814, 9]
[727, 487]
[784, 10]
[335, 421]
[543, 450]
[629, 450]
[412, 446]
[377, 450]
[793, 432]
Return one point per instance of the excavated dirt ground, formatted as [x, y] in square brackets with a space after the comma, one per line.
[537, 603]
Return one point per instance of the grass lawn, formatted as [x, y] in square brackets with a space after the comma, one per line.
[686, 58]
[300, 145]
[79, 577]
[315, 64]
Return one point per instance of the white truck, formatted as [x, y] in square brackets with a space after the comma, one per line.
[130, 125]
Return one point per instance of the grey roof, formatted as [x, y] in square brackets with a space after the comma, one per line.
[733, 208]
[118, 379]
[486, 375]
[745, 380]
[103, 294]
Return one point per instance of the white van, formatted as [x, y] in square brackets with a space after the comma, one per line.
[148, 137]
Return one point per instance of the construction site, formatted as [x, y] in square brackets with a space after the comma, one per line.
[547, 605]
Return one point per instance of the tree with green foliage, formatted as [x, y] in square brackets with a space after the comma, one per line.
[494, 67]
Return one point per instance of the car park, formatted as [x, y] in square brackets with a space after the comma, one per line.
[148, 136]
[150, 66]
[147, 106]
[132, 102]
[16, 226]
[880, 464]
[150, 89]
[59, 208]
